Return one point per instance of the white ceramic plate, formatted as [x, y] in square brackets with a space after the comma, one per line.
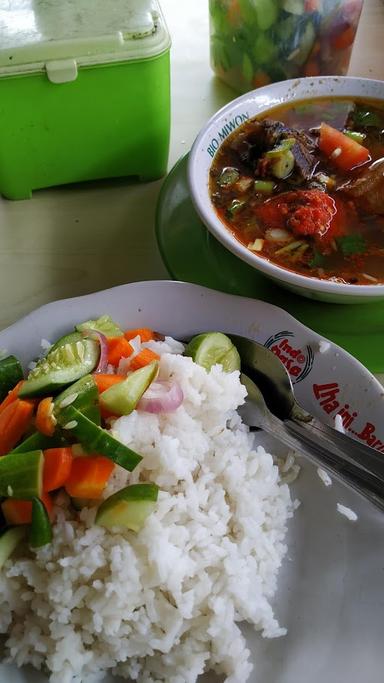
[331, 585]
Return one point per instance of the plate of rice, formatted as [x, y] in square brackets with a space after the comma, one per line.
[252, 565]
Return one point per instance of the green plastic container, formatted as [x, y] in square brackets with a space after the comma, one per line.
[84, 92]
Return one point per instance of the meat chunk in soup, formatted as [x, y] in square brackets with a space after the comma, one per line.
[367, 190]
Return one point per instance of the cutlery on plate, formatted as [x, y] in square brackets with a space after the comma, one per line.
[271, 405]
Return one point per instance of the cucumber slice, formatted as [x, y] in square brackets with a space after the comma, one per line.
[11, 373]
[9, 540]
[81, 394]
[294, 6]
[105, 325]
[122, 398]
[92, 412]
[247, 68]
[305, 44]
[70, 338]
[21, 475]
[267, 12]
[41, 531]
[264, 49]
[95, 439]
[38, 441]
[211, 348]
[64, 365]
[129, 507]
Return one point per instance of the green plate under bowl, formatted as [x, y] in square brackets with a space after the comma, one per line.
[192, 254]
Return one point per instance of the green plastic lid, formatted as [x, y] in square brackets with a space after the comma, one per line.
[34, 32]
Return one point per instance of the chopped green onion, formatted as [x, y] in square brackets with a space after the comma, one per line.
[235, 206]
[289, 247]
[283, 165]
[264, 186]
[281, 159]
[285, 145]
[354, 135]
[369, 277]
[299, 252]
[228, 177]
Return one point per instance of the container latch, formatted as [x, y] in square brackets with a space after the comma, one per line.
[61, 70]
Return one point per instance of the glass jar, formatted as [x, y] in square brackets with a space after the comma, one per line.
[256, 42]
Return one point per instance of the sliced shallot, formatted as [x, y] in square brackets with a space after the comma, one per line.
[101, 338]
[162, 396]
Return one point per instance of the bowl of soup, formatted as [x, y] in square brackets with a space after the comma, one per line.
[290, 178]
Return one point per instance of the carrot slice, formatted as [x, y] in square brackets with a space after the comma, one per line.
[144, 333]
[14, 421]
[344, 39]
[144, 357]
[104, 381]
[11, 396]
[311, 5]
[57, 467]
[234, 13]
[118, 348]
[17, 511]
[312, 68]
[89, 476]
[260, 79]
[45, 419]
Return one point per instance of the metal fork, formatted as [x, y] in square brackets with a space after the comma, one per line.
[256, 415]
[271, 406]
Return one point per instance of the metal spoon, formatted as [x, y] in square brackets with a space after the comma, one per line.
[256, 414]
[274, 383]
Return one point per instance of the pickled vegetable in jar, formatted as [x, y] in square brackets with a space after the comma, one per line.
[256, 42]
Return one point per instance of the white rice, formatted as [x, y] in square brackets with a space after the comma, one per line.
[324, 476]
[163, 605]
[347, 512]
[324, 346]
[339, 424]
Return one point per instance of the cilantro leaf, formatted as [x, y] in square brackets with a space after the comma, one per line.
[366, 118]
[318, 260]
[352, 244]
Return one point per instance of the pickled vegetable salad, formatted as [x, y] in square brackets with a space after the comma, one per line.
[54, 425]
[255, 42]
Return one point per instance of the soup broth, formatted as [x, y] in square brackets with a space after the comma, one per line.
[303, 186]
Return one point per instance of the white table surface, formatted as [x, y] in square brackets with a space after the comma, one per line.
[74, 240]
